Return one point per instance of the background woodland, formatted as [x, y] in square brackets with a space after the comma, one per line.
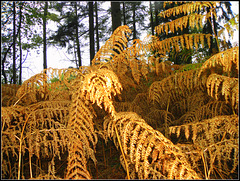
[165, 107]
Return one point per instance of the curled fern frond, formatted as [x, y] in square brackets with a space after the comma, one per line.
[99, 86]
[118, 40]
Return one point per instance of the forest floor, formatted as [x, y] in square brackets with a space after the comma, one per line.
[108, 163]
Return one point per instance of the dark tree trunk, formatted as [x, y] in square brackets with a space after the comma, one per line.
[96, 16]
[116, 15]
[77, 38]
[91, 32]
[134, 23]
[44, 36]
[14, 45]
[151, 14]
[156, 13]
[20, 48]
[124, 15]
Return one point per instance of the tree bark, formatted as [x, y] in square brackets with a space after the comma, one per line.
[20, 47]
[14, 45]
[91, 32]
[156, 13]
[151, 18]
[124, 15]
[77, 38]
[116, 15]
[44, 36]
[134, 23]
[96, 17]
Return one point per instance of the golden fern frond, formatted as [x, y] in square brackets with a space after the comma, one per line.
[99, 86]
[212, 129]
[118, 40]
[11, 113]
[194, 20]
[187, 8]
[175, 88]
[219, 86]
[77, 163]
[9, 89]
[211, 109]
[148, 150]
[193, 101]
[228, 60]
[217, 139]
[178, 41]
[40, 88]
[34, 89]
[46, 128]
[11, 119]
[83, 138]
[159, 119]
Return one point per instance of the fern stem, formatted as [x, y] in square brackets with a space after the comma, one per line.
[122, 153]
[20, 147]
[30, 165]
[205, 166]
[19, 99]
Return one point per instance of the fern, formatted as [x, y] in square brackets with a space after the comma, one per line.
[99, 87]
[217, 137]
[223, 87]
[142, 143]
[228, 60]
[187, 8]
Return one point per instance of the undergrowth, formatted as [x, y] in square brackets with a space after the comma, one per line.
[125, 116]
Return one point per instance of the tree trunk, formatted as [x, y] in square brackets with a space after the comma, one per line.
[20, 47]
[134, 23]
[44, 36]
[156, 13]
[91, 32]
[124, 15]
[151, 18]
[14, 45]
[116, 15]
[77, 38]
[97, 35]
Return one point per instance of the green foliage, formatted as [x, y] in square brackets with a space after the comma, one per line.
[188, 67]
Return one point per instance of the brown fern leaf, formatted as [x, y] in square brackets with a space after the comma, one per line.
[228, 60]
[213, 129]
[9, 94]
[219, 86]
[186, 8]
[191, 40]
[77, 163]
[146, 148]
[175, 88]
[209, 110]
[193, 101]
[34, 89]
[46, 128]
[11, 120]
[39, 88]
[217, 138]
[99, 86]
[83, 138]
[118, 40]
[159, 119]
